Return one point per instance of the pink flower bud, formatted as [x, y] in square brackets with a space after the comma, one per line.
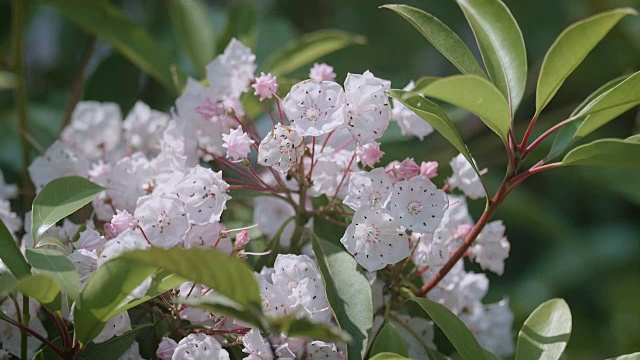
[429, 169]
[242, 239]
[462, 231]
[392, 170]
[166, 348]
[322, 72]
[120, 222]
[408, 169]
[265, 86]
[369, 154]
[208, 109]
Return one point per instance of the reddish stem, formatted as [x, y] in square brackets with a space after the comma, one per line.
[546, 134]
[35, 334]
[527, 133]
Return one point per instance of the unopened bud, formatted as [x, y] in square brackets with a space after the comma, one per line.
[242, 239]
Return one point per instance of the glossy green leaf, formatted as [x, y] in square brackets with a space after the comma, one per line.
[58, 199]
[8, 283]
[388, 340]
[56, 265]
[566, 135]
[614, 102]
[634, 138]
[456, 331]
[109, 23]
[309, 48]
[194, 31]
[223, 305]
[348, 292]
[241, 23]
[501, 45]
[436, 117]
[44, 289]
[303, 327]
[634, 356]
[616, 153]
[476, 95]
[570, 48]
[388, 356]
[51, 241]
[11, 255]
[113, 348]
[447, 42]
[161, 283]
[546, 332]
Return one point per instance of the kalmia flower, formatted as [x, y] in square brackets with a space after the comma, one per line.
[266, 86]
[368, 108]
[204, 194]
[369, 154]
[281, 148]
[465, 178]
[418, 204]
[322, 72]
[120, 222]
[315, 107]
[237, 143]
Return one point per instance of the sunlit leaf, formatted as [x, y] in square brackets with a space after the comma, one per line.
[56, 265]
[615, 153]
[44, 289]
[303, 327]
[388, 356]
[634, 356]
[223, 305]
[546, 332]
[51, 241]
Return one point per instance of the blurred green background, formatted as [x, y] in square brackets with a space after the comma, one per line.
[575, 233]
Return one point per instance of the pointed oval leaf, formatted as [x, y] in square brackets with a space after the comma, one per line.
[616, 153]
[388, 356]
[308, 48]
[501, 45]
[44, 289]
[476, 95]
[107, 22]
[348, 292]
[11, 255]
[389, 340]
[58, 199]
[570, 48]
[456, 331]
[634, 356]
[546, 332]
[194, 31]
[303, 327]
[447, 42]
[56, 265]
[51, 241]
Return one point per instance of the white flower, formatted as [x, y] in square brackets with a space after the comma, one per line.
[86, 263]
[367, 107]
[491, 247]
[281, 148]
[371, 189]
[491, 324]
[315, 107]
[166, 348]
[461, 291]
[418, 204]
[8, 217]
[163, 219]
[116, 326]
[204, 194]
[206, 236]
[322, 350]
[143, 128]
[129, 240]
[256, 346]
[95, 128]
[230, 73]
[237, 143]
[265, 86]
[59, 160]
[408, 121]
[322, 72]
[7, 191]
[331, 166]
[90, 240]
[465, 178]
[271, 213]
[422, 333]
[120, 222]
[133, 353]
[10, 335]
[375, 239]
[199, 347]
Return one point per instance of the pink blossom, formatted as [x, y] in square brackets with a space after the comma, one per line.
[369, 154]
[429, 169]
[408, 169]
[265, 86]
[462, 231]
[237, 143]
[322, 72]
[392, 170]
[242, 239]
[120, 222]
[208, 109]
[166, 348]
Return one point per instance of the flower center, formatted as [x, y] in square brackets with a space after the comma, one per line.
[164, 220]
[312, 113]
[371, 234]
[285, 145]
[414, 207]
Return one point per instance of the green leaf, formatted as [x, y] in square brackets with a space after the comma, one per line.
[224, 305]
[111, 25]
[456, 331]
[58, 199]
[388, 356]
[307, 49]
[476, 95]
[441, 37]
[634, 356]
[348, 292]
[51, 241]
[436, 117]
[113, 348]
[194, 30]
[501, 45]
[615, 153]
[241, 23]
[303, 327]
[570, 49]
[566, 134]
[8, 283]
[56, 265]
[612, 103]
[44, 289]
[11, 255]
[388, 340]
[546, 332]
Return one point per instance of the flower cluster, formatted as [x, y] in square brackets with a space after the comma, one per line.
[168, 180]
